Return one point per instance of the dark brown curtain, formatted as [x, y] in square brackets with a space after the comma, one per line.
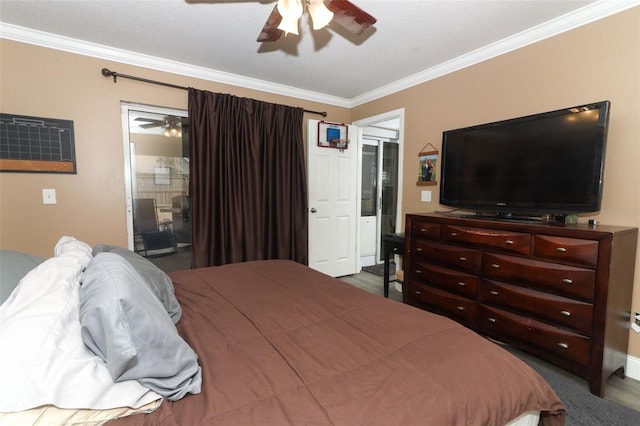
[248, 180]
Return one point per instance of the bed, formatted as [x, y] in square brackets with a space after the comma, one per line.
[278, 343]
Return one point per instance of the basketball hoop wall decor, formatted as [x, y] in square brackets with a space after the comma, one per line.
[333, 135]
[427, 165]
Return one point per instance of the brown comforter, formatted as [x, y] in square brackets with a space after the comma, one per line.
[282, 344]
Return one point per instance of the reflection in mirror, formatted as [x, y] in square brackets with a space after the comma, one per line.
[159, 158]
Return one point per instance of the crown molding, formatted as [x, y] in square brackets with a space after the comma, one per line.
[80, 47]
[583, 16]
[590, 13]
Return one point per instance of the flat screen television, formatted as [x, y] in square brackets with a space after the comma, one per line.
[539, 166]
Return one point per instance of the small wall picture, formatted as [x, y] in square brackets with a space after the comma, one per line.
[162, 176]
[427, 166]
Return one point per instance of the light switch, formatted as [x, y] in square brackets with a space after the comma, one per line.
[426, 196]
[48, 196]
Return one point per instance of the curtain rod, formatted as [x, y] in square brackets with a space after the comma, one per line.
[108, 73]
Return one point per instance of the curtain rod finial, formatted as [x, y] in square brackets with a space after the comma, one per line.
[108, 73]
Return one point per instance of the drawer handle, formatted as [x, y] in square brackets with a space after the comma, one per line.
[418, 292]
[567, 281]
[492, 319]
[418, 249]
[418, 271]
[561, 249]
[509, 242]
[494, 293]
[495, 266]
[423, 230]
[563, 345]
[454, 234]
[462, 259]
[565, 313]
[460, 308]
[461, 284]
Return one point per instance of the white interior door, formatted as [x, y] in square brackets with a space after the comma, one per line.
[333, 204]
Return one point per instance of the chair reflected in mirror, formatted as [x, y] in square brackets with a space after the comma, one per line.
[157, 238]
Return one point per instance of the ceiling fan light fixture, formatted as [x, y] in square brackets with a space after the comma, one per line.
[289, 26]
[320, 15]
[285, 16]
[291, 11]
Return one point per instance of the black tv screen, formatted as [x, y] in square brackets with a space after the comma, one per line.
[547, 163]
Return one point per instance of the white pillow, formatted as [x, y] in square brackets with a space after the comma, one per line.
[48, 363]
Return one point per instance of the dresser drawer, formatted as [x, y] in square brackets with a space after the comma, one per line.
[458, 257]
[497, 322]
[439, 301]
[570, 281]
[555, 309]
[425, 230]
[513, 242]
[447, 279]
[569, 250]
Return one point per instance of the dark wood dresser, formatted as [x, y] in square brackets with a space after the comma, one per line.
[560, 292]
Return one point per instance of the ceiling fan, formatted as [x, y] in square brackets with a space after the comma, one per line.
[167, 121]
[172, 126]
[285, 15]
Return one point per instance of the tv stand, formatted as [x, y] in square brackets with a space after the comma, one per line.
[561, 292]
[517, 218]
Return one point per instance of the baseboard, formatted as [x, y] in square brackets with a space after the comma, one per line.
[633, 368]
[368, 260]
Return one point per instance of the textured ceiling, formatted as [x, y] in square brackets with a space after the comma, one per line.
[410, 37]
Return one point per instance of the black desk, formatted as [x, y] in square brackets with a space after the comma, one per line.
[393, 244]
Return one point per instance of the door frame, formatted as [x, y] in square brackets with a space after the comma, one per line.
[128, 152]
[370, 121]
[377, 144]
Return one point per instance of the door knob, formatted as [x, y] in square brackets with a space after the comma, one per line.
[313, 210]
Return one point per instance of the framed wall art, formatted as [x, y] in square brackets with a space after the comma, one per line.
[427, 166]
[162, 176]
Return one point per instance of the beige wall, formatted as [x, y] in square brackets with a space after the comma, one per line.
[596, 62]
[91, 205]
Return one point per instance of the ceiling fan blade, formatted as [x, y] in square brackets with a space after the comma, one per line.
[149, 120]
[270, 31]
[150, 125]
[350, 16]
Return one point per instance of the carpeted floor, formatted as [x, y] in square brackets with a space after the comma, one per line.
[583, 408]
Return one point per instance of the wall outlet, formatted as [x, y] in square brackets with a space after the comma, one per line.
[49, 196]
[425, 196]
